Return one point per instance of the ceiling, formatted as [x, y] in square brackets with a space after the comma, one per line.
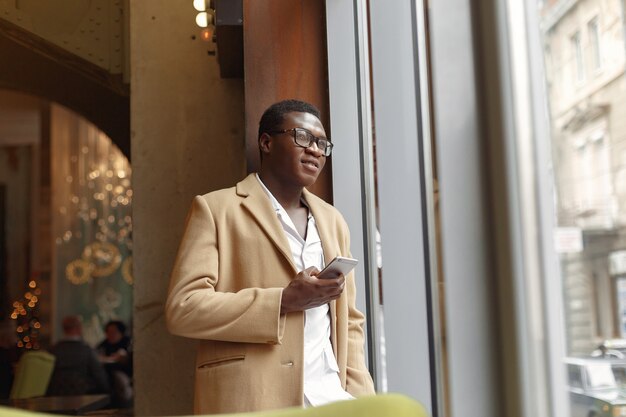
[95, 30]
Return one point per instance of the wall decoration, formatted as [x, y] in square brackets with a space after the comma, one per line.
[79, 271]
[92, 203]
[127, 270]
[104, 256]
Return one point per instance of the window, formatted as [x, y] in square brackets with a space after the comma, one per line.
[594, 43]
[551, 160]
[620, 296]
[387, 151]
[575, 378]
[578, 57]
[569, 177]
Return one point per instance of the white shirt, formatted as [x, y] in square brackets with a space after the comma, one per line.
[321, 372]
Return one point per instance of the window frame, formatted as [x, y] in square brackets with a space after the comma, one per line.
[579, 57]
[593, 30]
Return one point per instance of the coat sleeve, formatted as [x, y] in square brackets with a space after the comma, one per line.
[358, 379]
[195, 309]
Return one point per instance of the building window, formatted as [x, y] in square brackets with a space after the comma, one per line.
[594, 43]
[578, 55]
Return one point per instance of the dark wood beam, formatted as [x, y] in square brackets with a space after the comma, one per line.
[285, 57]
[30, 64]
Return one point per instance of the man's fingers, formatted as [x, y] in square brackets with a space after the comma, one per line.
[312, 271]
[308, 291]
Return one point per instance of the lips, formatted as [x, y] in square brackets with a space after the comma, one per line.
[311, 164]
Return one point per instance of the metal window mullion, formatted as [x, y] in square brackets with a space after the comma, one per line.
[368, 187]
[350, 114]
[401, 133]
[423, 99]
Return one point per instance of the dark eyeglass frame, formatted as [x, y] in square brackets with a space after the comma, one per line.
[328, 149]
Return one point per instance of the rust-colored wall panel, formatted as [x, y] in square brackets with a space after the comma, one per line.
[285, 57]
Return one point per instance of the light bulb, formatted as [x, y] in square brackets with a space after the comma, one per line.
[202, 19]
[199, 5]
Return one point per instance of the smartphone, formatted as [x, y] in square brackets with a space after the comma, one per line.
[338, 266]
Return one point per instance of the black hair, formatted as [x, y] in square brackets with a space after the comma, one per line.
[273, 116]
[120, 326]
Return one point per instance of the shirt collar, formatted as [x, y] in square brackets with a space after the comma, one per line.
[277, 206]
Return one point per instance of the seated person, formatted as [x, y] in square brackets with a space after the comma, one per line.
[115, 349]
[77, 370]
[115, 352]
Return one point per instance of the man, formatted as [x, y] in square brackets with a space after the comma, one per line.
[77, 370]
[245, 281]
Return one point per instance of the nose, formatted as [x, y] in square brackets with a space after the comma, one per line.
[313, 148]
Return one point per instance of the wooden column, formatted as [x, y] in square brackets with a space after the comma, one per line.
[285, 57]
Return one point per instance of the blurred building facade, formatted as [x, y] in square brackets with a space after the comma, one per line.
[585, 61]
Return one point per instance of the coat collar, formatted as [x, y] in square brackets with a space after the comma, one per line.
[260, 207]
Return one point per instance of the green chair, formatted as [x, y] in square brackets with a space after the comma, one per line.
[32, 375]
[387, 405]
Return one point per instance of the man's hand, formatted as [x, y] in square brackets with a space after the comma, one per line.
[307, 291]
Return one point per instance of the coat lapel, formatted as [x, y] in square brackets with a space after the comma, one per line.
[324, 227]
[328, 236]
[260, 208]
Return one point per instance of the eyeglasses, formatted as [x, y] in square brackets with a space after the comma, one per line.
[304, 139]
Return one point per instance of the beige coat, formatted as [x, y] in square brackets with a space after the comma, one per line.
[225, 289]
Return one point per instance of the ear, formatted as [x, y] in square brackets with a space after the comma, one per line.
[265, 143]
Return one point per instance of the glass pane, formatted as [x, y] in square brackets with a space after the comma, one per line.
[584, 57]
[575, 378]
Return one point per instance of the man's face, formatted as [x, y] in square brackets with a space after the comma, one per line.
[291, 163]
